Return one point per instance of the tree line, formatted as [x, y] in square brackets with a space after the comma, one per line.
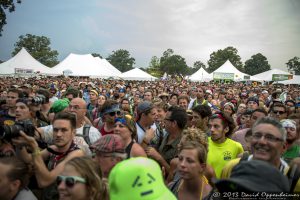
[169, 61]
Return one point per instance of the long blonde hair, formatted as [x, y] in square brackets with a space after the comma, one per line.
[91, 172]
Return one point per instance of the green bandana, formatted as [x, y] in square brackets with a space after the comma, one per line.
[59, 105]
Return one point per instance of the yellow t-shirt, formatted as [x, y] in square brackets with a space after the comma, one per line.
[220, 154]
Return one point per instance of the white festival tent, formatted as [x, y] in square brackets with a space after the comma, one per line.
[137, 74]
[295, 80]
[228, 67]
[267, 75]
[114, 70]
[201, 75]
[84, 65]
[24, 64]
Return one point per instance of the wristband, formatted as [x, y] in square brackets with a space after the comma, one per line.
[36, 152]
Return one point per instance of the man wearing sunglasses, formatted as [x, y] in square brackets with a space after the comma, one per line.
[57, 155]
[278, 111]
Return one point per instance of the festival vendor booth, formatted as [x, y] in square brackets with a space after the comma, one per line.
[86, 65]
[227, 72]
[201, 75]
[294, 81]
[24, 65]
[137, 74]
[274, 75]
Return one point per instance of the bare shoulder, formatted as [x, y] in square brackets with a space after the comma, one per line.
[137, 150]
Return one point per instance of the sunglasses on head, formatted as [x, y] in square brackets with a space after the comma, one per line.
[70, 181]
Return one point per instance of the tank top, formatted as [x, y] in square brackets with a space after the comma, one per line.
[51, 191]
[128, 148]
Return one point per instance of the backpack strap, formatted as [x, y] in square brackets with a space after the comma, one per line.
[245, 156]
[85, 133]
[293, 176]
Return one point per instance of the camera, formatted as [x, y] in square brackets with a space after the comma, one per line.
[38, 99]
[9, 132]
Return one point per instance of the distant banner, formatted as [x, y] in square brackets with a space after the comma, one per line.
[23, 71]
[281, 77]
[223, 76]
[246, 77]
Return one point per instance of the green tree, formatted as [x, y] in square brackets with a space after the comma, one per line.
[219, 57]
[173, 64]
[154, 67]
[294, 65]
[122, 60]
[6, 5]
[197, 65]
[38, 47]
[258, 63]
[97, 55]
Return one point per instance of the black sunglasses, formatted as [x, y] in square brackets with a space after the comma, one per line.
[114, 113]
[70, 181]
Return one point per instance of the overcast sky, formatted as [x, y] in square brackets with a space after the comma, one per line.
[192, 28]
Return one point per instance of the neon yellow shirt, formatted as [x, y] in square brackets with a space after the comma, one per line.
[220, 154]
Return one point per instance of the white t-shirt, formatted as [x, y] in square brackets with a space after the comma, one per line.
[94, 135]
[25, 194]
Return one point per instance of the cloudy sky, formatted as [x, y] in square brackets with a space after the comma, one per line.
[192, 28]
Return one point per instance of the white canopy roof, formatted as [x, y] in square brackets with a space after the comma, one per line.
[111, 67]
[201, 75]
[137, 74]
[24, 61]
[267, 75]
[295, 80]
[227, 67]
[85, 65]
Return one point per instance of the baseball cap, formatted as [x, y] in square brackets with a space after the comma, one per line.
[265, 92]
[144, 106]
[254, 176]
[110, 143]
[142, 177]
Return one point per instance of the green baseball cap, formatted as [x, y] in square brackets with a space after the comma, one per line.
[139, 179]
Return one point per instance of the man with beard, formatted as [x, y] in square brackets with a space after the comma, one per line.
[200, 100]
[57, 155]
[293, 150]
[221, 148]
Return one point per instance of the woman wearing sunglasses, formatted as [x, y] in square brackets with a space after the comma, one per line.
[81, 180]
[108, 112]
[125, 127]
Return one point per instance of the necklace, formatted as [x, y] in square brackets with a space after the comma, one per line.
[202, 183]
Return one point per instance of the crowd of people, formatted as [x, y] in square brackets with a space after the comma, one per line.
[81, 138]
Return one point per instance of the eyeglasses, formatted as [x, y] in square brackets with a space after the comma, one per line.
[74, 107]
[70, 181]
[278, 112]
[114, 113]
[267, 137]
